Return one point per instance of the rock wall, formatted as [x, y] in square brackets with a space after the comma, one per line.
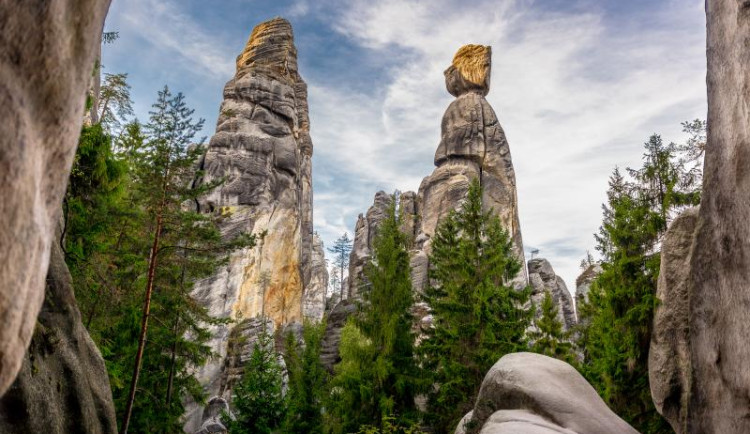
[63, 385]
[718, 276]
[47, 52]
[535, 394]
[262, 148]
[472, 145]
[542, 279]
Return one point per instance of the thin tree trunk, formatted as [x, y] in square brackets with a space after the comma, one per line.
[144, 322]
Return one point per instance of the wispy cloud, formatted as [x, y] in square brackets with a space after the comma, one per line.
[578, 87]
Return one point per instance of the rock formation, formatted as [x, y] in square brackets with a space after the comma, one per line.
[669, 354]
[472, 145]
[47, 52]
[63, 385]
[262, 148]
[535, 394]
[542, 279]
[584, 281]
[718, 276]
[329, 348]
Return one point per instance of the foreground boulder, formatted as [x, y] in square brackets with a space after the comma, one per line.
[63, 385]
[47, 51]
[533, 394]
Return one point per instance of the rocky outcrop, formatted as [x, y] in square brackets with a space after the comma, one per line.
[718, 276]
[542, 279]
[262, 149]
[329, 348]
[63, 385]
[472, 145]
[669, 354]
[47, 52]
[535, 394]
[585, 280]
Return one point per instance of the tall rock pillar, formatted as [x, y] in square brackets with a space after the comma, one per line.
[707, 350]
[262, 150]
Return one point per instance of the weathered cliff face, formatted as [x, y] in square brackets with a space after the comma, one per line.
[718, 276]
[542, 279]
[669, 353]
[472, 145]
[47, 52]
[535, 394]
[63, 385]
[262, 148]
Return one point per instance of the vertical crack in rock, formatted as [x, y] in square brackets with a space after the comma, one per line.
[263, 150]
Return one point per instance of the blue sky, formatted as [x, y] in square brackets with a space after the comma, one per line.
[578, 86]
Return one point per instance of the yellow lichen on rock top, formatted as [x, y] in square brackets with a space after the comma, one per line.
[473, 62]
[270, 45]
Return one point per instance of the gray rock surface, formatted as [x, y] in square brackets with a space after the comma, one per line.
[329, 348]
[718, 278]
[720, 264]
[584, 281]
[364, 235]
[63, 385]
[47, 52]
[535, 394]
[211, 420]
[262, 148]
[669, 354]
[542, 279]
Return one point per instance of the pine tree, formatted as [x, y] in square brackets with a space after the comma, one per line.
[477, 316]
[378, 377]
[257, 399]
[549, 338]
[341, 249]
[307, 381]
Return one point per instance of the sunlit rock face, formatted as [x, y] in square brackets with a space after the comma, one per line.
[262, 150]
[472, 145]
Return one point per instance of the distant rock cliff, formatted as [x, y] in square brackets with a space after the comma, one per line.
[542, 279]
[262, 148]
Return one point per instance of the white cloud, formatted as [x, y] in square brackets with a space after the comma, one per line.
[575, 97]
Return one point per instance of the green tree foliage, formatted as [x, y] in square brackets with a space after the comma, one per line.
[257, 399]
[619, 311]
[116, 196]
[478, 317]
[307, 381]
[549, 338]
[341, 249]
[377, 378]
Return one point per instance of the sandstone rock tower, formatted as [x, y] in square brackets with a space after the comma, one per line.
[262, 148]
[472, 145]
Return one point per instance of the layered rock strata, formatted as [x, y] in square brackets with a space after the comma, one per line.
[472, 145]
[47, 52]
[718, 276]
[535, 394]
[262, 150]
[63, 386]
[543, 280]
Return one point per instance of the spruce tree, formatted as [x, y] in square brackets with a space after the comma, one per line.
[258, 399]
[378, 377]
[341, 249]
[549, 338]
[307, 381]
[478, 317]
[618, 315]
